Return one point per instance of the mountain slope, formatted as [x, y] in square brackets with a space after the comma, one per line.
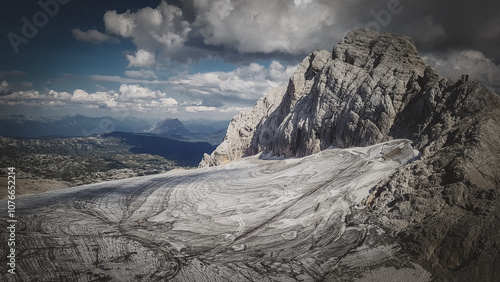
[374, 87]
[67, 126]
[241, 130]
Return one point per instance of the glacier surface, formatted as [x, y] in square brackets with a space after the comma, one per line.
[255, 219]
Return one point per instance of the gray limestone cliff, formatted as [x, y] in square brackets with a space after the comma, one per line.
[350, 97]
[443, 208]
[241, 130]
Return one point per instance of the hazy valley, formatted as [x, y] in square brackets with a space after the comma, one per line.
[49, 162]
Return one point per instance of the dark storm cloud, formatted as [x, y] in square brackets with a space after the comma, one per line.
[440, 25]
[227, 26]
[259, 28]
[467, 24]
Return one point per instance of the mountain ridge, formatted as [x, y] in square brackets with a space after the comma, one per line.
[373, 88]
[330, 94]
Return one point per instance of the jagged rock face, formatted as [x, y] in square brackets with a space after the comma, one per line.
[241, 130]
[443, 208]
[348, 98]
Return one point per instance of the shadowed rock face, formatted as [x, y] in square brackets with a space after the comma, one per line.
[444, 208]
[242, 128]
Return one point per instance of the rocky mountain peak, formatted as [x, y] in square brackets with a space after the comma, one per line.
[168, 126]
[368, 50]
[349, 97]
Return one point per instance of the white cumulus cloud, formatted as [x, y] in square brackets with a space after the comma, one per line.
[258, 26]
[247, 83]
[131, 91]
[142, 58]
[153, 29]
[235, 110]
[266, 26]
[107, 99]
[129, 96]
[119, 24]
[169, 102]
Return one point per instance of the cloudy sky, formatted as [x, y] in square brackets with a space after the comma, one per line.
[210, 58]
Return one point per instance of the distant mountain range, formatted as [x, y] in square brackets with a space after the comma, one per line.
[67, 126]
[22, 126]
[58, 152]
